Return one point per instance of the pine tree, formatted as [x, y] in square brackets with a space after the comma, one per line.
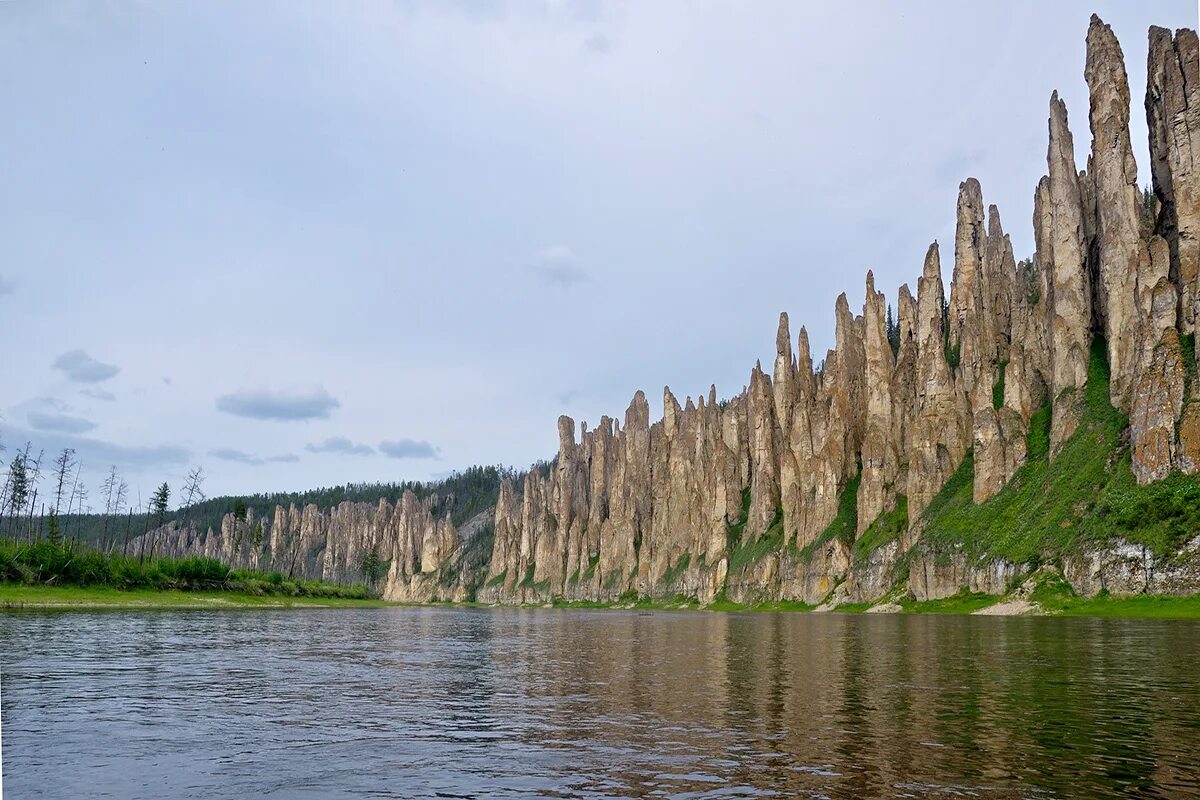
[158, 507]
[18, 492]
[893, 331]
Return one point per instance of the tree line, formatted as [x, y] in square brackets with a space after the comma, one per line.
[50, 500]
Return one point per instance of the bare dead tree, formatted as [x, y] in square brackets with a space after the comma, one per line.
[64, 465]
[79, 494]
[33, 470]
[193, 492]
[119, 506]
[29, 516]
[108, 489]
[145, 528]
[128, 526]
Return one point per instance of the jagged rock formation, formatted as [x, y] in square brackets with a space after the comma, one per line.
[1173, 115]
[1059, 234]
[814, 482]
[413, 538]
[674, 507]
[1112, 174]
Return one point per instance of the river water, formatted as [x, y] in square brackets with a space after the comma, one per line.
[434, 702]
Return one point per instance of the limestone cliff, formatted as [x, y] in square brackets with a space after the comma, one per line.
[744, 496]
[836, 481]
[413, 541]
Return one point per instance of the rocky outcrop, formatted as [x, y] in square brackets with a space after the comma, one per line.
[939, 443]
[1058, 230]
[880, 447]
[1157, 404]
[791, 488]
[1173, 117]
[897, 409]
[1112, 172]
[413, 541]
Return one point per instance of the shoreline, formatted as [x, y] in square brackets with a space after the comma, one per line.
[17, 597]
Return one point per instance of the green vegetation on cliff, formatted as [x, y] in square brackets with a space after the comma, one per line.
[1086, 495]
[844, 524]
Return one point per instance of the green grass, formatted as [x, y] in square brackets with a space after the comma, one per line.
[677, 569]
[853, 608]
[844, 524]
[13, 595]
[722, 603]
[1146, 606]
[1086, 496]
[998, 386]
[590, 572]
[1051, 598]
[498, 580]
[1187, 344]
[44, 563]
[964, 602]
[743, 554]
[1055, 596]
[612, 579]
[733, 532]
[887, 527]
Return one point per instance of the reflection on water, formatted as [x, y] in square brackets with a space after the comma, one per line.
[555, 703]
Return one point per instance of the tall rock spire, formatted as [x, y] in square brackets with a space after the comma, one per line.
[1059, 235]
[942, 416]
[969, 328]
[1113, 174]
[880, 456]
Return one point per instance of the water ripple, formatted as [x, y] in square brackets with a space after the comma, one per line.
[503, 703]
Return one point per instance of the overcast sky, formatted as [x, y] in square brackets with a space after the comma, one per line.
[302, 244]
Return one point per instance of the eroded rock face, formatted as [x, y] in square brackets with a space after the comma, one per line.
[1173, 117]
[1113, 173]
[1058, 230]
[999, 450]
[414, 537]
[672, 507]
[940, 440]
[899, 408]
[880, 447]
[1187, 453]
[970, 326]
[1157, 404]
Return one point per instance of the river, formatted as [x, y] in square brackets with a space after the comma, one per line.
[438, 702]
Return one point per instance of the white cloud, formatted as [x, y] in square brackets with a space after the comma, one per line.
[281, 406]
[62, 423]
[98, 394]
[340, 445]
[408, 448]
[82, 368]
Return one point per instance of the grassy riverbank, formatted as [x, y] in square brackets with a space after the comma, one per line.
[17, 596]
[62, 575]
[964, 603]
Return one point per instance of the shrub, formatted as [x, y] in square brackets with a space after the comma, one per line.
[54, 563]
